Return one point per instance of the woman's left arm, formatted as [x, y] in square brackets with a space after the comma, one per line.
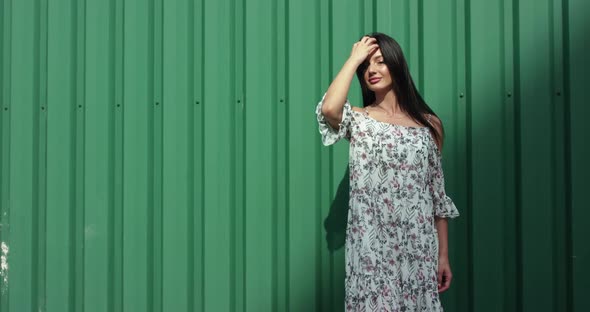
[444, 208]
[444, 267]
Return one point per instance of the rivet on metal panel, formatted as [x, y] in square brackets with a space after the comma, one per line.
[197, 102]
[157, 103]
[239, 101]
[509, 94]
[79, 106]
[281, 100]
[461, 95]
[42, 107]
[118, 105]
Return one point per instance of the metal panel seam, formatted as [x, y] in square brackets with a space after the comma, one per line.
[317, 158]
[558, 216]
[202, 156]
[39, 224]
[517, 156]
[468, 148]
[43, 156]
[568, 187]
[274, 158]
[287, 161]
[507, 32]
[118, 179]
[78, 207]
[157, 143]
[238, 144]
[190, 140]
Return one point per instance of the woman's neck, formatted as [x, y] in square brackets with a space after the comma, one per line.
[388, 102]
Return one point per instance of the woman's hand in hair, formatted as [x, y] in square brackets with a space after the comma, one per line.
[362, 49]
[335, 98]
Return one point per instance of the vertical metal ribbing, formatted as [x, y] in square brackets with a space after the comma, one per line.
[5, 84]
[116, 294]
[509, 132]
[238, 104]
[323, 174]
[420, 26]
[198, 156]
[79, 14]
[468, 148]
[517, 155]
[190, 142]
[561, 185]
[317, 157]
[158, 157]
[152, 293]
[281, 141]
[276, 185]
[154, 221]
[238, 148]
[561, 67]
[72, 187]
[510, 265]
[39, 224]
[373, 16]
[285, 220]
[459, 16]
[569, 287]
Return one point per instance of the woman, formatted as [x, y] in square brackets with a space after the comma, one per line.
[396, 236]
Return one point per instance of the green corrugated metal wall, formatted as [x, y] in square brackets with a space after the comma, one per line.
[164, 156]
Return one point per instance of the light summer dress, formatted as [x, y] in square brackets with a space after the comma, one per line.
[396, 190]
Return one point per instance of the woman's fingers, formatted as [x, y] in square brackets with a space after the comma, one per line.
[444, 275]
[366, 47]
[367, 39]
[363, 48]
[444, 279]
[448, 281]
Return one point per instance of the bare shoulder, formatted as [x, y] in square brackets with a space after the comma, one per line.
[437, 124]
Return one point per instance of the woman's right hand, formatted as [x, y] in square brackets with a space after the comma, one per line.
[335, 98]
[362, 49]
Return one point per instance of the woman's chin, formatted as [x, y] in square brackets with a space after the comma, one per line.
[378, 89]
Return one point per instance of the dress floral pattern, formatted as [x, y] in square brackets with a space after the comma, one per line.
[396, 190]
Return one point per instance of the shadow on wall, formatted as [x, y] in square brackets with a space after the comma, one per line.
[335, 222]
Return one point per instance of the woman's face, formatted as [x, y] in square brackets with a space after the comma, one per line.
[377, 74]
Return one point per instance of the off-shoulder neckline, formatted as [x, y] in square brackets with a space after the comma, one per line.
[387, 123]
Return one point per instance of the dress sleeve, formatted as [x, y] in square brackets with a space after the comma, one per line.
[443, 204]
[329, 135]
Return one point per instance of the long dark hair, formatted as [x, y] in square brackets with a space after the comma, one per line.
[403, 86]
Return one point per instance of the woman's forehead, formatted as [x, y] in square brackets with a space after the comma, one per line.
[376, 54]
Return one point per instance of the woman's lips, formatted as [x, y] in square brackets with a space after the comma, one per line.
[374, 80]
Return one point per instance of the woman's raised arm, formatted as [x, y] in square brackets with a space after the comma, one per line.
[338, 90]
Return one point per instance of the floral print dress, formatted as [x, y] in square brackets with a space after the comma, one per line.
[396, 190]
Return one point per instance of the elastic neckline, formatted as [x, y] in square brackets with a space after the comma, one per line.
[366, 114]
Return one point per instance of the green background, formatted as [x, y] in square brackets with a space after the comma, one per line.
[164, 155]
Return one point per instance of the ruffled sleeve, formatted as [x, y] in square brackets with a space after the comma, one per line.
[443, 204]
[329, 135]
